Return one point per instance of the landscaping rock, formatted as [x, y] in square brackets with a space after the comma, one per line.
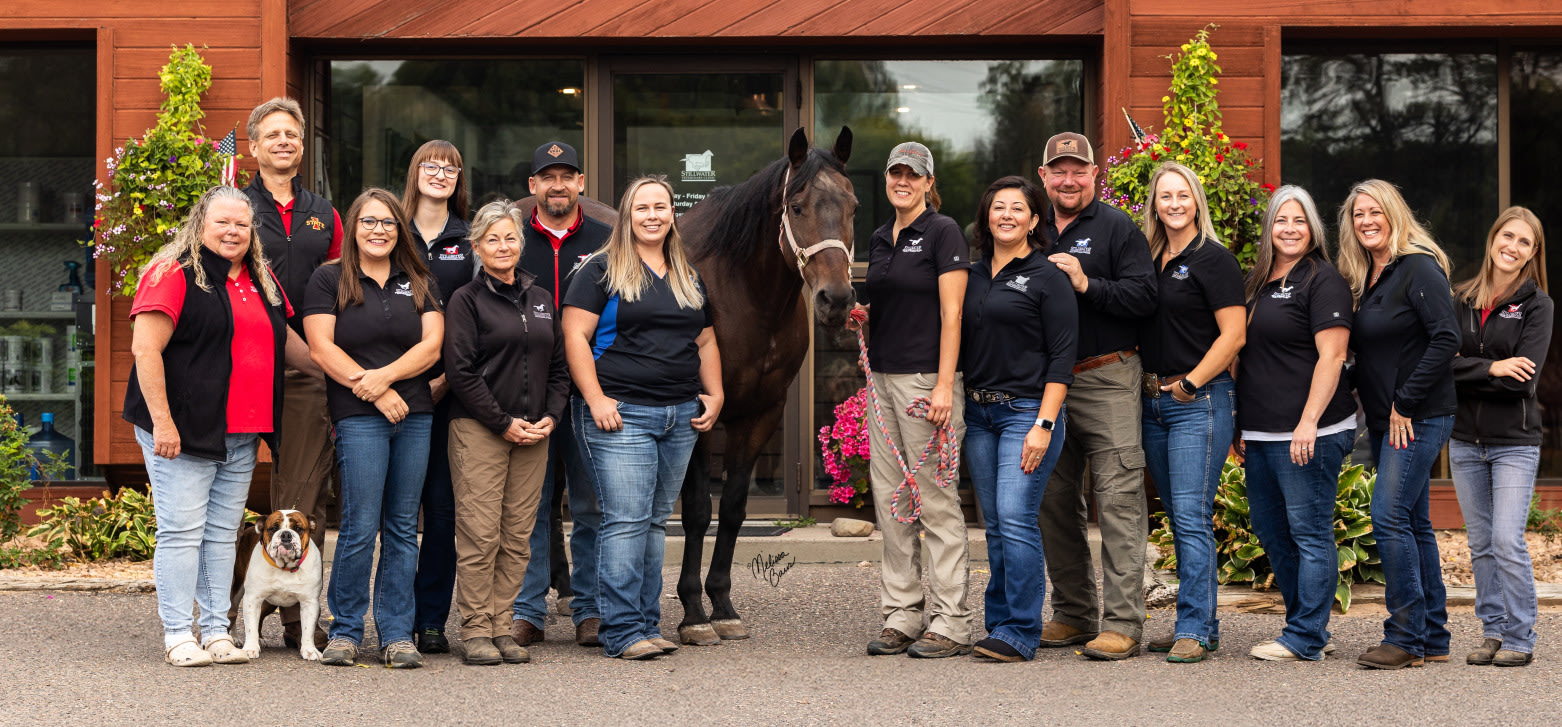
[846, 527]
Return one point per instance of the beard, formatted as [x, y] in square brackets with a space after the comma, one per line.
[557, 207]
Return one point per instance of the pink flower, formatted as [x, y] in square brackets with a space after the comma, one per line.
[842, 494]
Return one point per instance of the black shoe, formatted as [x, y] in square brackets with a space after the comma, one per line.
[433, 641]
[997, 650]
[890, 642]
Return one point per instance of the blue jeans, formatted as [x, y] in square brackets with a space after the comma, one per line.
[1009, 498]
[436, 578]
[1495, 483]
[1292, 509]
[638, 472]
[1402, 522]
[1185, 447]
[199, 505]
[586, 518]
[382, 466]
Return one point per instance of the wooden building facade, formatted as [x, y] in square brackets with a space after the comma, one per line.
[617, 75]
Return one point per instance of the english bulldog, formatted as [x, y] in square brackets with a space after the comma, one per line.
[277, 565]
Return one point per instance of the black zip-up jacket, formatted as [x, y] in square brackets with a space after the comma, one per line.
[504, 353]
[198, 363]
[294, 251]
[1114, 255]
[1501, 410]
[449, 256]
[553, 268]
[1405, 338]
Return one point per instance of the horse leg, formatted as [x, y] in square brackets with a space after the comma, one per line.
[744, 440]
[696, 628]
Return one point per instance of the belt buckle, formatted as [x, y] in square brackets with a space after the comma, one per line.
[1152, 385]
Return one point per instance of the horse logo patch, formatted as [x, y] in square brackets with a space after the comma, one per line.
[1081, 247]
[451, 252]
[912, 245]
[1182, 272]
[404, 289]
[1283, 293]
[1513, 312]
[1020, 283]
[315, 223]
[541, 312]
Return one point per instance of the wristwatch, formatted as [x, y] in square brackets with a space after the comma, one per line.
[1045, 423]
[1187, 387]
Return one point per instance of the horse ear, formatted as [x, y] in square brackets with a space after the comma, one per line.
[843, 145]
[797, 150]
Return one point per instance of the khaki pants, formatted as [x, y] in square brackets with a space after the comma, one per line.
[942, 524]
[498, 486]
[1103, 433]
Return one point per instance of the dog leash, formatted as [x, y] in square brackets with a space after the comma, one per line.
[944, 440]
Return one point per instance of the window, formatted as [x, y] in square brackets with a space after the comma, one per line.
[1535, 103]
[495, 111]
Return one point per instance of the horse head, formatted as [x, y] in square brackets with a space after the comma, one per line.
[818, 208]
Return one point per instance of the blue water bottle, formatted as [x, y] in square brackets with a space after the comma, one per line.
[48, 441]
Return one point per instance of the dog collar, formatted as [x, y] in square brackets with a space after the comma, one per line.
[267, 555]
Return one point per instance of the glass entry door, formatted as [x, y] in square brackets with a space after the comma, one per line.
[705, 123]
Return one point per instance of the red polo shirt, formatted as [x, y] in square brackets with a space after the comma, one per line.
[253, 349]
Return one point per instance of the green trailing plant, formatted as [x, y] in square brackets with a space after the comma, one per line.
[1191, 134]
[112, 526]
[1546, 521]
[155, 180]
[1240, 557]
[801, 522]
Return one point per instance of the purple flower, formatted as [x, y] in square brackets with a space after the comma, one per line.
[173, 158]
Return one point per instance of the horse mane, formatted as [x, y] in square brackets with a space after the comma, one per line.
[741, 227]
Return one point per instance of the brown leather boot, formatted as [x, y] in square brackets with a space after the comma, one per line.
[1111, 646]
[525, 633]
[586, 632]
[1388, 656]
[1057, 633]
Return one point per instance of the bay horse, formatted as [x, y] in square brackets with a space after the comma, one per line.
[764, 248]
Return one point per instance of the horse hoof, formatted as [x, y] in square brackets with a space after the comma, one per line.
[730, 629]
[698, 635]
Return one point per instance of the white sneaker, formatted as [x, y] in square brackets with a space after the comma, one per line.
[1273, 651]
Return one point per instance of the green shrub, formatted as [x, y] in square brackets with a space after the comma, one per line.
[16, 556]
[117, 526]
[1240, 557]
[16, 465]
[1547, 522]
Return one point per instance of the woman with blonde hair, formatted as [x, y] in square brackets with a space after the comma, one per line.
[1297, 421]
[211, 320]
[1497, 433]
[642, 352]
[1405, 338]
[1188, 344]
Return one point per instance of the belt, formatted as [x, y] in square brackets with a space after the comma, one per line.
[1153, 384]
[982, 396]
[1095, 362]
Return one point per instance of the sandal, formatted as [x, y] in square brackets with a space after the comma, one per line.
[224, 651]
[187, 653]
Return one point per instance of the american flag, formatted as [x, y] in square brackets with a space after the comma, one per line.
[229, 147]
[1139, 134]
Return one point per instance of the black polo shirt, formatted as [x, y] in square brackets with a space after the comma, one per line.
[1405, 338]
[1202, 279]
[1282, 352]
[903, 288]
[374, 333]
[645, 351]
[1017, 331]
[1114, 255]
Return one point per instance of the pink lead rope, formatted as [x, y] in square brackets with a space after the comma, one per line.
[944, 440]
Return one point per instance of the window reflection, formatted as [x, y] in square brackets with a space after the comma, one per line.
[1424, 121]
[981, 119]
[1535, 103]
[495, 111]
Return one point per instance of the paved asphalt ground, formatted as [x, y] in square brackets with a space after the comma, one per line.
[96, 658]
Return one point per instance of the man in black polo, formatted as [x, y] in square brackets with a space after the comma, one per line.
[299, 230]
[557, 238]
[1108, 263]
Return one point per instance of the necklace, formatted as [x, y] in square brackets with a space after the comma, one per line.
[1377, 274]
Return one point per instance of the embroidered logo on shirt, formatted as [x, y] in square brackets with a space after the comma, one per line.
[1081, 247]
[1182, 272]
[1512, 312]
[315, 223]
[540, 312]
[1019, 283]
[1283, 293]
[404, 289]
[451, 252]
[912, 245]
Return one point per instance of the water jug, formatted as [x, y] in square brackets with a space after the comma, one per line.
[49, 441]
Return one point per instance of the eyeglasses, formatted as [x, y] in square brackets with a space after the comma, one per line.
[369, 223]
[433, 170]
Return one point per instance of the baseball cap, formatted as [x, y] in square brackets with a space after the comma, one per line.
[554, 153]
[915, 156]
[1069, 144]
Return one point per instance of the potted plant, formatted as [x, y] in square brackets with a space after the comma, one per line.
[844, 447]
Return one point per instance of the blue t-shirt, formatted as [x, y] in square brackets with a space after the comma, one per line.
[645, 351]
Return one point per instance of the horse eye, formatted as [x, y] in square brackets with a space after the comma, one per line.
[797, 209]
